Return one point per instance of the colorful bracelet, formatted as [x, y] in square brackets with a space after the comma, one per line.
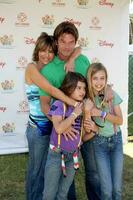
[103, 114]
[73, 113]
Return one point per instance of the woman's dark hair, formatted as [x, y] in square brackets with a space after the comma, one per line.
[70, 82]
[43, 42]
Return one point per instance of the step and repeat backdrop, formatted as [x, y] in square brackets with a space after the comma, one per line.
[103, 29]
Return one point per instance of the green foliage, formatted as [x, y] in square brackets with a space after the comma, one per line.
[130, 95]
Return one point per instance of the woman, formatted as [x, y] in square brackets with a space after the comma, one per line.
[39, 127]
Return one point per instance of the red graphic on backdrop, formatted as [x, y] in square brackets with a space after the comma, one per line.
[29, 40]
[78, 23]
[106, 3]
[2, 19]
[2, 109]
[2, 64]
[104, 43]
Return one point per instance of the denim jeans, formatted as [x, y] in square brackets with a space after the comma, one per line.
[38, 149]
[92, 181]
[56, 186]
[109, 159]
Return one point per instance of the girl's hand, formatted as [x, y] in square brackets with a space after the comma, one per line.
[78, 109]
[89, 126]
[86, 126]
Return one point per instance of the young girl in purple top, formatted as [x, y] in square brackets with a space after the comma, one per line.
[62, 157]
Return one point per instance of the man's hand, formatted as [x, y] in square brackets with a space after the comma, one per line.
[95, 112]
[88, 105]
[71, 133]
[108, 93]
[69, 66]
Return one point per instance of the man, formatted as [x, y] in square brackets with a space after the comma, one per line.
[66, 36]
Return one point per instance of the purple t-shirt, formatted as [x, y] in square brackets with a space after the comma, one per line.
[67, 145]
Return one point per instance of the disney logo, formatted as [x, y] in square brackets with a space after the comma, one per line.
[72, 21]
[29, 40]
[104, 2]
[105, 43]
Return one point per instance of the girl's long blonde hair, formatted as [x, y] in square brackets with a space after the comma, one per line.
[94, 68]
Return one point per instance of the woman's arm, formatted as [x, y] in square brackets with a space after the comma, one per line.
[69, 66]
[61, 125]
[116, 118]
[33, 76]
[45, 105]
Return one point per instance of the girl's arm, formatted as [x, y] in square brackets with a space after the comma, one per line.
[61, 125]
[69, 66]
[33, 76]
[88, 105]
[116, 118]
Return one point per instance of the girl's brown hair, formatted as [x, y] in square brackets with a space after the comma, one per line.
[70, 82]
[43, 41]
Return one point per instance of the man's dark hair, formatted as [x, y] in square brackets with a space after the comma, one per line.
[66, 27]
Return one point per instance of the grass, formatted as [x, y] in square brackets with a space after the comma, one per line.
[12, 175]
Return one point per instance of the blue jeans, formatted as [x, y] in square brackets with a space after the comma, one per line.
[56, 186]
[92, 181]
[38, 149]
[109, 159]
